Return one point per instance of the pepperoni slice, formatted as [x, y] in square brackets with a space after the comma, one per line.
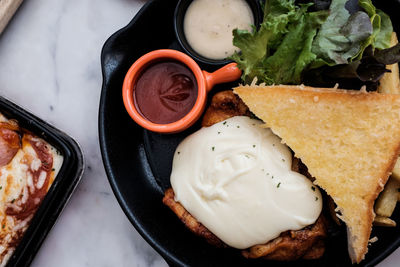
[10, 142]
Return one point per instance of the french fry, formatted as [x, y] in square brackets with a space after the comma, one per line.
[387, 200]
[396, 171]
[390, 82]
[384, 221]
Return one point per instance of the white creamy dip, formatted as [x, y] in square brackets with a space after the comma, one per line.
[236, 179]
[208, 26]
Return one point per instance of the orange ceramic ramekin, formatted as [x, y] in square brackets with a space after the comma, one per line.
[205, 82]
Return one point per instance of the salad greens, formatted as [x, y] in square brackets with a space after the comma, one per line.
[280, 50]
[305, 40]
[342, 35]
[382, 26]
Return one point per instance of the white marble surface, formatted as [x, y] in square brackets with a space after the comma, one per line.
[50, 64]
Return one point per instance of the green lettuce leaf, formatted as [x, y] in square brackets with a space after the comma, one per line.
[382, 28]
[367, 71]
[382, 40]
[277, 15]
[317, 4]
[280, 50]
[256, 46]
[342, 35]
[253, 48]
[294, 54]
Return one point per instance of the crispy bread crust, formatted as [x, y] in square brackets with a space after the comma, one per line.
[358, 257]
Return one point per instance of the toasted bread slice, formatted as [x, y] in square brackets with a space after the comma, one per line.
[349, 140]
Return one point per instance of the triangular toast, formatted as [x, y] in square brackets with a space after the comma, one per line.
[349, 140]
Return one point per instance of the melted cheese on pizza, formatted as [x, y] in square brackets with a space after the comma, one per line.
[26, 174]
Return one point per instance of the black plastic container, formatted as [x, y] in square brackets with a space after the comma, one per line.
[60, 191]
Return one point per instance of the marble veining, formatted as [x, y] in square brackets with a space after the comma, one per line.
[50, 64]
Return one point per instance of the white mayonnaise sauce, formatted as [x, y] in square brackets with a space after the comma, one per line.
[208, 26]
[236, 179]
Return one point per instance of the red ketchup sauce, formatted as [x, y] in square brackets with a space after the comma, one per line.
[165, 92]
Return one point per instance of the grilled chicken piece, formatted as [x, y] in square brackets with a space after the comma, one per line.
[307, 243]
[224, 105]
[190, 222]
